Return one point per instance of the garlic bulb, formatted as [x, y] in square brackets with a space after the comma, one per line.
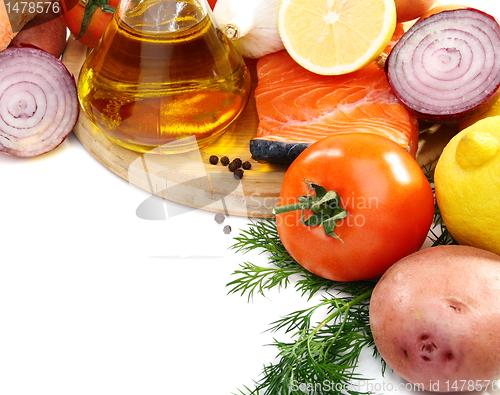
[252, 25]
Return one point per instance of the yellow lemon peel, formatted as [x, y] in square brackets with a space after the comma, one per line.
[475, 148]
[467, 185]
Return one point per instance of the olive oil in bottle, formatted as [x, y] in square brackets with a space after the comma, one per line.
[162, 74]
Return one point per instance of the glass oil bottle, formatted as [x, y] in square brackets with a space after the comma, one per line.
[162, 74]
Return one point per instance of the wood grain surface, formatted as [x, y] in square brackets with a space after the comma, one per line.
[191, 180]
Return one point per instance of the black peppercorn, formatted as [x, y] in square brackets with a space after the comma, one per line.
[224, 160]
[238, 174]
[227, 229]
[219, 218]
[235, 164]
[214, 160]
[246, 165]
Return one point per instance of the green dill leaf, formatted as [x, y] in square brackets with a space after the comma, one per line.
[310, 284]
[319, 354]
[438, 234]
[262, 236]
[257, 279]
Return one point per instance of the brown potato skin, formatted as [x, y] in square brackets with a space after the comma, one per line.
[435, 317]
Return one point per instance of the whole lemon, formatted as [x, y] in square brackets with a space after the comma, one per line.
[467, 184]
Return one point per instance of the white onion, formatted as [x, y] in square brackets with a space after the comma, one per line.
[38, 101]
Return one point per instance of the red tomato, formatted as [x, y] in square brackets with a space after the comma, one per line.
[389, 203]
[87, 19]
[408, 10]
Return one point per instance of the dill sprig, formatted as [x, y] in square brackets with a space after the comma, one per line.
[262, 236]
[322, 357]
[326, 339]
[441, 236]
[438, 233]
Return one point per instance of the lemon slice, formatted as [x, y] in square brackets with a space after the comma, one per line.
[333, 37]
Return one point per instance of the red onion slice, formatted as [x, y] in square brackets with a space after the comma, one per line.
[38, 102]
[446, 67]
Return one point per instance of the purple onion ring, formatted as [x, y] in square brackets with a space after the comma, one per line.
[446, 67]
[38, 101]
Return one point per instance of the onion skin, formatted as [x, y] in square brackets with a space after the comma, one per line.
[446, 67]
[38, 101]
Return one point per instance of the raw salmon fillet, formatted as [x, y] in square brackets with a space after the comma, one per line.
[296, 107]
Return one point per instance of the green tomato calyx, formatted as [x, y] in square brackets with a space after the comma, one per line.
[325, 206]
[91, 6]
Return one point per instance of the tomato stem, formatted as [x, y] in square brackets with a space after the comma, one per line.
[90, 7]
[325, 206]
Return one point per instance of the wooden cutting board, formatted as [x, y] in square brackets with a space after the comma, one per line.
[190, 179]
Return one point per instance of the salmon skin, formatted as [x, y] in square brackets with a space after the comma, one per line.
[296, 107]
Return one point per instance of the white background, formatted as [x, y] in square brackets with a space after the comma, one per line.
[95, 300]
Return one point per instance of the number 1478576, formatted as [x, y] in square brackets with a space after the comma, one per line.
[32, 7]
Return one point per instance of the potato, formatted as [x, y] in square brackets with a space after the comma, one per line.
[435, 318]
